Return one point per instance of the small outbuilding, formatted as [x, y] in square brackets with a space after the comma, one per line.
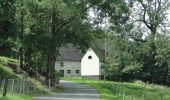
[90, 64]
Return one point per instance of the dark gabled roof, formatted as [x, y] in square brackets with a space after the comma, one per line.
[100, 53]
[72, 53]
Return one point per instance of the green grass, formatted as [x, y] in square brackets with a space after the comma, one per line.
[126, 91]
[16, 97]
[11, 96]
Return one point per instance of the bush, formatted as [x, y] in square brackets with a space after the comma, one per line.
[57, 75]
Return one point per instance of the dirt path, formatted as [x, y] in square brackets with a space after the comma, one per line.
[73, 91]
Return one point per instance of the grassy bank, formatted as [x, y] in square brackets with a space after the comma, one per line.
[11, 96]
[126, 91]
[16, 97]
[10, 68]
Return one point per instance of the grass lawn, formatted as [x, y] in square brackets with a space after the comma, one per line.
[16, 97]
[126, 91]
[11, 96]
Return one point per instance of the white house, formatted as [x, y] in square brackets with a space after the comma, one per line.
[90, 64]
[71, 61]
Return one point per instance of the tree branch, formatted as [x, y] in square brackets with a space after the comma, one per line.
[71, 19]
[137, 39]
[144, 13]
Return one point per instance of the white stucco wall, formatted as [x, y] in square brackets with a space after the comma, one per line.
[90, 67]
[69, 65]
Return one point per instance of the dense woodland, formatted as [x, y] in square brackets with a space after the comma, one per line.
[135, 32]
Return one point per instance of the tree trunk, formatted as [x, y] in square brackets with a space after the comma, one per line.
[1, 79]
[28, 58]
[51, 67]
[21, 36]
[51, 56]
[151, 58]
[5, 87]
[21, 58]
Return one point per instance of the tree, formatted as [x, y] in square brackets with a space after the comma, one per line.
[162, 60]
[67, 31]
[7, 26]
[21, 34]
[153, 15]
[50, 25]
[144, 21]
[124, 59]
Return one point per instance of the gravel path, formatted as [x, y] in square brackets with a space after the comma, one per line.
[73, 91]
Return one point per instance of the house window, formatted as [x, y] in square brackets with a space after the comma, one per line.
[62, 71]
[77, 71]
[61, 64]
[68, 71]
[89, 57]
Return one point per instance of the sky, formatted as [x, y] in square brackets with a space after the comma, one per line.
[142, 26]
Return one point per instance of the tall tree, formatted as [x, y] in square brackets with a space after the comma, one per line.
[52, 25]
[153, 15]
[65, 32]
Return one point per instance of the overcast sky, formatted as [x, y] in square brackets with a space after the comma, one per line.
[93, 16]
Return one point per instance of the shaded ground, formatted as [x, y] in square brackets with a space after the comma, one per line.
[73, 91]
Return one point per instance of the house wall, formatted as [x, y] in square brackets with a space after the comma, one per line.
[69, 65]
[90, 65]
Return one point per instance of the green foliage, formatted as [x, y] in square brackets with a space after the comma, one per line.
[5, 69]
[36, 35]
[130, 60]
[7, 26]
[132, 68]
[116, 13]
[9, 68]
[123, 59]
[57, 74]
[133, 54]
[7, 14]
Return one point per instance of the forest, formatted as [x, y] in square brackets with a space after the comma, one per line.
[134, 33]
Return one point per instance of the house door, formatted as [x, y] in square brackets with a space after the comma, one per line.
[62, 72]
